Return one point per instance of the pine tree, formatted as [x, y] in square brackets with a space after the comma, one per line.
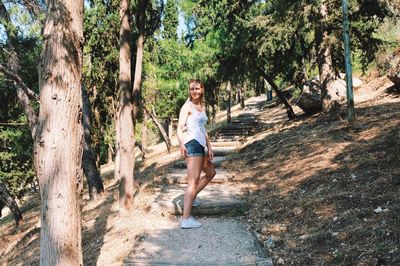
[170, 21]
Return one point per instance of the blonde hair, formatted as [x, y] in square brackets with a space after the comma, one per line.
[201, 86]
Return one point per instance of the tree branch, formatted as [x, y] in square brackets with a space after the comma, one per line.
[33, 7]
[16, 78]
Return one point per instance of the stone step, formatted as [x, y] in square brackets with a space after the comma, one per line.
[234, 131]
[247, 114]
[225, 144]
[215, 200]
[180, 177]
[245, 121]
[222, 151]
[220, 241]
[242, 125]
[228, 138]
[232, 134]
[217, 161]
[239, 129]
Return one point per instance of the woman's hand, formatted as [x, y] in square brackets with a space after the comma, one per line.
[183, 150]
[210, 155]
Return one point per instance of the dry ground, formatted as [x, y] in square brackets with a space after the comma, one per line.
[312, 185]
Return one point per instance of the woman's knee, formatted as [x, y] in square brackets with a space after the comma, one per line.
[210, 175]
[193, 181]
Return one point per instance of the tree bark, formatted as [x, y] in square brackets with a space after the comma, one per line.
[7, 200]
[160, 127]
[125, 141]
[228, 110]
[141, 22]
[144, 134]
[95, 184]
[242, 90]
[325, 64]
[109, 154]
[58, 143]
[289, 109]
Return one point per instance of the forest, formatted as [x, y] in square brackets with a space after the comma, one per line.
[86, 83]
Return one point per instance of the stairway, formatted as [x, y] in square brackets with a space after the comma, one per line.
[223, 239]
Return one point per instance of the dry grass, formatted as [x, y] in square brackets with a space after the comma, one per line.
[313, 184]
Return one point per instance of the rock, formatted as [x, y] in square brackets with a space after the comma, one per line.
[378, 210]
[356, 81]
[297, 210]
[280, 261]
[394, 71]
[310, 98]
[304, 237]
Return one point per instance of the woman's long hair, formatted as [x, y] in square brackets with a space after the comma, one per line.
[202, 94]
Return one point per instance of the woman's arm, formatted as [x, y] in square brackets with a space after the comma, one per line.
[183, 115]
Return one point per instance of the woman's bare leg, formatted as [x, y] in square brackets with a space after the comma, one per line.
[209, 170]
[194, 166]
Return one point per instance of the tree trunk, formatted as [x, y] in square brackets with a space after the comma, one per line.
[58, 143]
[289, 109]
[144, 134]
[7, 200]
[125, 141]
[141, 22]
[325, 65]
[109, 154]
[242, 90]
[95, 184]
[160, 127]
[2, 205]
[228, 110]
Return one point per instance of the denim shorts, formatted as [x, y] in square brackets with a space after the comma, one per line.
[194, 149]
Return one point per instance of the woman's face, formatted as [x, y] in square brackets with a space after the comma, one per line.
[196, 91]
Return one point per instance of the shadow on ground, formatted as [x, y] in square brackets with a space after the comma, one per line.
[314, 186]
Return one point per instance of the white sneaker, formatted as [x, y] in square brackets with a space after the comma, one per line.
[196, 202]
[190, 223]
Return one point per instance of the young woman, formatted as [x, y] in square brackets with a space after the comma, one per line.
[193, 117]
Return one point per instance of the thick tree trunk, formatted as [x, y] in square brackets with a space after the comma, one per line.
[58, 143]
[95, 184]
[7, 200]
[228, 110]
[325, 64]
[289, 109]
[164, 134]
[125, 142]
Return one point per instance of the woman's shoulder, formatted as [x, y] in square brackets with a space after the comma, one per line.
[187, 106]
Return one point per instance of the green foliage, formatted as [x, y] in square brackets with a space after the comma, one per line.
[16, 145]
[170, 21]
[16, 167]
[101, 70]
